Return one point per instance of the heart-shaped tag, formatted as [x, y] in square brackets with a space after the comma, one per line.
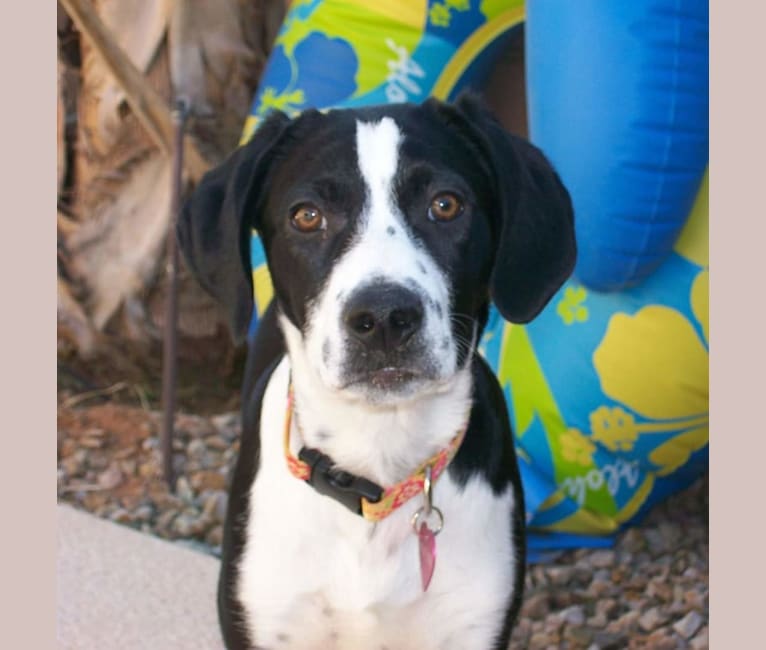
[427, 546]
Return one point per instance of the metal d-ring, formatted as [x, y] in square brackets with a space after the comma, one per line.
[428, 508]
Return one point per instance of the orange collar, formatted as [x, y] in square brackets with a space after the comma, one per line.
[358, 494]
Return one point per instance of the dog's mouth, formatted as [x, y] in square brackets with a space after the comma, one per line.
[388, 379]
[391, 378]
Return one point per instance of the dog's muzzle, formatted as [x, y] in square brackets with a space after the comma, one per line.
[382, 322]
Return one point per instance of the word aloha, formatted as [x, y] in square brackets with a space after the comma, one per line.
[400, 83]
[610, 475]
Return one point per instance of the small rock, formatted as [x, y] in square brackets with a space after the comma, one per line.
[610, 640]
[215, 536]
[75, 464]
[659, 589]
[660, 640]
[208, 480]
[671, 531]
[92, 443]
[149, 470]
[701, 640]
[582, 576]
[574, 615]
[179, 464]
[651, 619]
[184, 490]
[67, 447]
[196, 448]
[165, 520]
[125, 452]
[537, 606]
[194, 426]
[217, 443]
[165, 501]
[95, 500]
[597, 620]
[131, 501]
[657, 542]
[98, 461]
[633, 540]
[111, 477]
[600, 588]
[602, 559]
[579, 636]
[608, 607]
[106, 510]
[627, 622]
[543, 640]
[688, 625]
[560, 575]
[144, 512]
[191, 524]
[215, 506]
[228, 425]
[121, 516]
[183, 525]
[602, 574]
[128, 467]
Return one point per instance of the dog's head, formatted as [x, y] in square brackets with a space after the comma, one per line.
[387, 230]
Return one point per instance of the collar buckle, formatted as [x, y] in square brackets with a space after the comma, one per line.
[344, 487]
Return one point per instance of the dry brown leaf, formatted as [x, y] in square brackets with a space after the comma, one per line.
[138, 27]
[116, 254]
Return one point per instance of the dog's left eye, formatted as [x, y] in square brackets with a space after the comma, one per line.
[445, 207]
[308, 218]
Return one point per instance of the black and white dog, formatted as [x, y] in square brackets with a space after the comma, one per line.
[387, 231]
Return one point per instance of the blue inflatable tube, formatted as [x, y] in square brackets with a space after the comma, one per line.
[607, 391]
[618, 100]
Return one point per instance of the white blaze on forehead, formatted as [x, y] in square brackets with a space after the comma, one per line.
[377, 146]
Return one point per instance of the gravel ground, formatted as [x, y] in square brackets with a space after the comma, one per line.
[649, 591]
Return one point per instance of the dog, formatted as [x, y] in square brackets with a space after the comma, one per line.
[376, 501]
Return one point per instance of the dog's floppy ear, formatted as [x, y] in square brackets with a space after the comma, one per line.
[214, 225]
[536, 239]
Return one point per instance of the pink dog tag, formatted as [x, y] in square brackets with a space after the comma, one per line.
[427, 544]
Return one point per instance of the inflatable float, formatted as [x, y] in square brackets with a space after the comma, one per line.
[608, 388]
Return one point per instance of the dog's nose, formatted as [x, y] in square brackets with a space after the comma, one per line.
[383, 316]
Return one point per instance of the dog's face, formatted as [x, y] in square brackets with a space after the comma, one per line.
[379, 250]
[386, 232]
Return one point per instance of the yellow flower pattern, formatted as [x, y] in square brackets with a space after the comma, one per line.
[644, 362]
[286, 102]
[570, 307]
[614, 427]
[441, 15]
[576, 448]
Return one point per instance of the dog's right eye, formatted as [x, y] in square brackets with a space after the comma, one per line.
[308, 218]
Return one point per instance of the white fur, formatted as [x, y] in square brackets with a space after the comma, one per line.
[374, 253]
[314, 575]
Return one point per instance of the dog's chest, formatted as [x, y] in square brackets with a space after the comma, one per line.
[314, 576]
